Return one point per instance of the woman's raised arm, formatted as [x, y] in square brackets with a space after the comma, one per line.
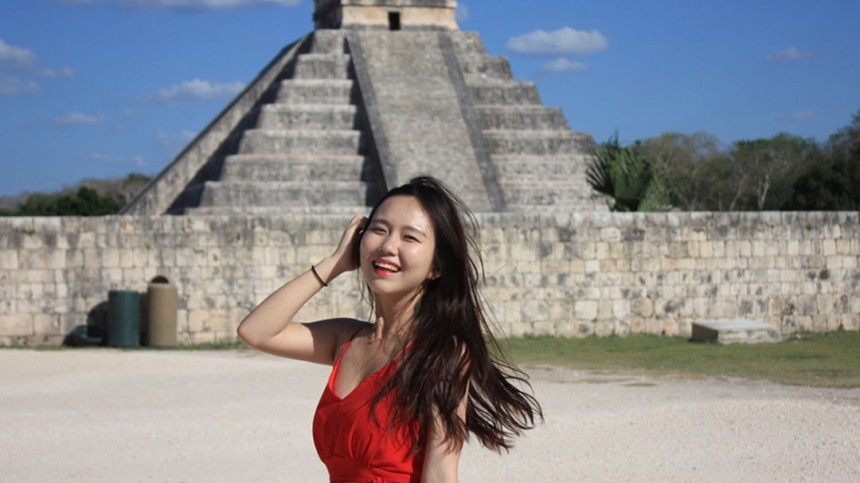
[270, 327]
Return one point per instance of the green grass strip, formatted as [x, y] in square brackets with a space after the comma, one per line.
[815, 360]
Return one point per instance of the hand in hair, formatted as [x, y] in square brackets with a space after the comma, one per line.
[270, 326]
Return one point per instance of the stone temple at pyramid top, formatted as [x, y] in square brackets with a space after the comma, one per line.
[386, 14]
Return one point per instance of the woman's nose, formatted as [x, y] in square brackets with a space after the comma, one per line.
[388, 246]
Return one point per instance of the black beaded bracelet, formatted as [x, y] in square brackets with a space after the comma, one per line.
[314, 270]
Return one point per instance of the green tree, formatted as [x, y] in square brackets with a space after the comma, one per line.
[769, 167]
[720, 186]
[626, 179]
[84, 202]
[686, 163]
[845, 143]
[833, 181]
[92, 197]
[827, 187]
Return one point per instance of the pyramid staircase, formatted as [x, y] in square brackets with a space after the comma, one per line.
[344, 114]
[308, 152]
[540, 162]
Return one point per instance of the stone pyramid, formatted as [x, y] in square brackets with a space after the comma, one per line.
[381, 91]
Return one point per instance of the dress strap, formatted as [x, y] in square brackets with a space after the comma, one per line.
[346, 346]
[355, 333]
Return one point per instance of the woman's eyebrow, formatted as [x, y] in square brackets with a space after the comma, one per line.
[381, 221]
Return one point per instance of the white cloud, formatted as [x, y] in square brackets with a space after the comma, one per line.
[802, 116]
[78, 119]
[15, 57]
[204, 4]
[20, 63]
[565, 41]
[15, 86]
[462, 13]
[154, 5]
[790, 54]
[562, 65]
[67, 72]
[197, 90]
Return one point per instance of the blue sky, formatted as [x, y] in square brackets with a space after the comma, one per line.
[102, 88]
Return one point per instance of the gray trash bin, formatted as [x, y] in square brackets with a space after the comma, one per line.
[162, 306]
[123, 328]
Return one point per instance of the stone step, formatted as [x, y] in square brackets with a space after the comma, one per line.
[240, 167]
[536, 142]
[308, 116]
[735, 332]
[540, 167]
[282, 194]
[546, 192]
[531, 117]
[418, 110]
[322, 66]
[317, 91]
[579, 206]
[262, 141]
[328, 42]
[485, 66]
[467, 43]
[504, 93]
[279, 210]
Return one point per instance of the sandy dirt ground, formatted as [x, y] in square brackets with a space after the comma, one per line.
[103, 415]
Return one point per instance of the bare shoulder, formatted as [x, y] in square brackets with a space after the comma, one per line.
[333, 334]
[347, 328]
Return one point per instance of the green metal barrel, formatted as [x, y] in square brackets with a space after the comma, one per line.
[123, 319]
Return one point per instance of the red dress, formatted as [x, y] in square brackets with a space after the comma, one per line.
[353, 447]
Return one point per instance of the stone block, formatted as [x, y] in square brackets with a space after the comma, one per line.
[485, 67]
[535, 142]
[46, 324]
[305, 142]
[323, 66]
[586, 310]
[9, 260]
[316, 91]
[520, 117]
[742, 331]
[302, 116]
[284, 167]
[282, 195]
[16, 325]
[504, 93]
[34, 259]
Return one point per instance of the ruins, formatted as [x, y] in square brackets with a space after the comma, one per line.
[381, 91]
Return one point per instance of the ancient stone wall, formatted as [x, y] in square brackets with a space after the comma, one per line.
[412, 14]
[562, 274]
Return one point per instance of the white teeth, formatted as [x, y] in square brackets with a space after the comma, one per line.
[386, 266]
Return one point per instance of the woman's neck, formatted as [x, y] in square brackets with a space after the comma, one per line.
[393, 320]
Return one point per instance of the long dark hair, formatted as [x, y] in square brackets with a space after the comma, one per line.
[451, 339]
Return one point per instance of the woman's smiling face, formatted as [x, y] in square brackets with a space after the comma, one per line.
[397, 248]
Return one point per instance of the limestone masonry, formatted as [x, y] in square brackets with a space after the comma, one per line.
[559, 274]
[358, 107]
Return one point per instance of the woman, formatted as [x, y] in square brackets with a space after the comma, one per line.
[407, 389]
